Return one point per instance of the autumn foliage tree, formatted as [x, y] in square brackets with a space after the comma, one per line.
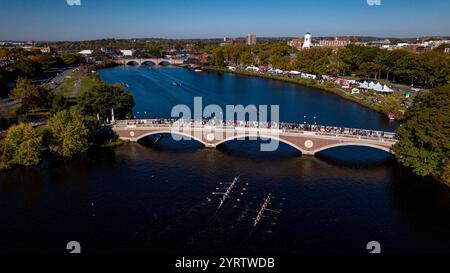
[69, 133]
[31, 96]
[424, 139]
[21, 147]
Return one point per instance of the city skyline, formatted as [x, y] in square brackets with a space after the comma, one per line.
[55, 20]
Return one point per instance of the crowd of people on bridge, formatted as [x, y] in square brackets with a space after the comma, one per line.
[283, 126]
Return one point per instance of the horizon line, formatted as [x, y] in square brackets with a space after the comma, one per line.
[221, 38]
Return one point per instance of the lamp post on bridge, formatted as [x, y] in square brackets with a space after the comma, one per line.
[113, 120]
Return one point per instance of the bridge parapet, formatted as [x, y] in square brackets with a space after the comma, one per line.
[142, 61]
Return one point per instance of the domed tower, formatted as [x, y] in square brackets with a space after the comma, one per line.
[308, 41]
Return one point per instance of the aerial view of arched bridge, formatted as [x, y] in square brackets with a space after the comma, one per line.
[308, 139]
[149, 61]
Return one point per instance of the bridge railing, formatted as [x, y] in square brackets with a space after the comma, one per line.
[319, 130]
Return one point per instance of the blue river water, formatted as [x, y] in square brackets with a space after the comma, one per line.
[156, 94]
[158, 198]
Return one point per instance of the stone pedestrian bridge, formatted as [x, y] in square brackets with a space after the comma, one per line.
[308, 139]
[148, 61]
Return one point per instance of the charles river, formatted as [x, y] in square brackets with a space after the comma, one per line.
[158, 197]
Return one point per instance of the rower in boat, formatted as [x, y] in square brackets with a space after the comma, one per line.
[158, 139]
[264, 208]
[227, 192]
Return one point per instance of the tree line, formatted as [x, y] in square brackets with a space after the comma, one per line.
[428, 69]
[32, 64]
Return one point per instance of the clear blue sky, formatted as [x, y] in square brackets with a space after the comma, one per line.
[56, 20]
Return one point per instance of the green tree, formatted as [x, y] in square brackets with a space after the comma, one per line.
[280, 62]
[337, 64]
[22, 146]
[315, 60]
[59, 103]
[246, 58]
[435, 67]
[45, 60]
[153, 51]
[345, 56]
[219, 58]
[101, 98]
[70, 58]
[388, 61]
[406, 65]
[25, 68]
[424, 139]
[31, 96]
[382, 60]
[368, 69]
[207, 48]
[68, 133]
[391, 105]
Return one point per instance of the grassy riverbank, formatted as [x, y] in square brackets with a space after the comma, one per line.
[68, 84]
[331, 88]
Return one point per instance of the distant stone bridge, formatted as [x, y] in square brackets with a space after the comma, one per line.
[211, 134]
[149, 61]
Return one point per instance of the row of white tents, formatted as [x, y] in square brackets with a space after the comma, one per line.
[279, 71]
[302, 75]
[378, 87]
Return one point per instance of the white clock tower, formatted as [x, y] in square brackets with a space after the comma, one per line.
[307, 43]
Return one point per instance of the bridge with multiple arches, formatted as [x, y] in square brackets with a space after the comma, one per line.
[149, 61]
[308, 139]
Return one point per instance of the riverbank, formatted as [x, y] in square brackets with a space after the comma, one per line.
[71, 107]
[357, 98]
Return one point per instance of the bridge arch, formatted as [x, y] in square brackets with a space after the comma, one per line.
[132, 62]
[262, 136]
[165, 62]
[148, 63]
[170, 132]
[378, 147]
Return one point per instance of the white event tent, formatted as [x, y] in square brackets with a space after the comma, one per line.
[364, 85]
[383, 89]
[278, 71]
[252, 68]
[378, 87]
